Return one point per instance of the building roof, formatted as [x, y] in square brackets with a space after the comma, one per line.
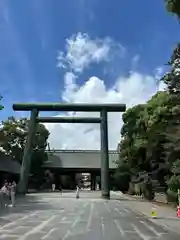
[7, 164]
[79, 159]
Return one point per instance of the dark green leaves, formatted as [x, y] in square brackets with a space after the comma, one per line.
[173, 6]
[1, 106]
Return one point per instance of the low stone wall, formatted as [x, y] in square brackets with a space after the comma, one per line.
[161, 197]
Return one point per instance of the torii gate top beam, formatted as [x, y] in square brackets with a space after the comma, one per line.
[69, 107]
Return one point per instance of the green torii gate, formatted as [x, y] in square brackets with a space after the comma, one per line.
[35, 108]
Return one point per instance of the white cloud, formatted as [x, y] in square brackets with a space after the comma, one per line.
[131, 90]
[159, 71]
[135, 61]
[81, 51]
[70, 86]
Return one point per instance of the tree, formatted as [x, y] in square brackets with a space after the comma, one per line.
[15, 132]
[122, 177]
[2, 138]
[172, 81]
[173, 6]
[39, 155]
[144, 137]
[174, 181]
[143, 133]
[1, 106]
[134, 140]
[150, 133]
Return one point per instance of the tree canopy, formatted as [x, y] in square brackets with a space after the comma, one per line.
[13, 143]
[173, 6]
[1, 106]
[150, 141]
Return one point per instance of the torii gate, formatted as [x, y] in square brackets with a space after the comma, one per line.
[35, 108]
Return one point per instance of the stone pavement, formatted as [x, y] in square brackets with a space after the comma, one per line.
[51, 216]
[166, 215]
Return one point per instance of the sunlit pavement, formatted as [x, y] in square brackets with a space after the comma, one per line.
[55, 216]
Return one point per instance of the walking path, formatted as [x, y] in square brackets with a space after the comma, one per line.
[166, 215]
[52, 216]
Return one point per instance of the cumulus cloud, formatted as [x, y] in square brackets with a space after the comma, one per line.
[131, 90]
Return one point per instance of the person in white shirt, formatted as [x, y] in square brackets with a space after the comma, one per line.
[4, 194]
[77, 191]
[53, 187]
[9, 190]
[13, 193]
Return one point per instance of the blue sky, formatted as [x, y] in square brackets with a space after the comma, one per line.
[33, 31]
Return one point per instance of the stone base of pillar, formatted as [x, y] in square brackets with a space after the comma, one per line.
[105, 195]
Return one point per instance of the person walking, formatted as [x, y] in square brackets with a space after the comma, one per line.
[60, 189]
[1, 199]
[77, 191]
[13, 193]
[9, 190]
[53, 187]
[4, 194]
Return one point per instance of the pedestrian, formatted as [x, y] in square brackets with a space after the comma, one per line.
[1, 200]
[4, 194]
[53, 187]
[77, 192]
[9, 190]
[13, 193]
[60, 188]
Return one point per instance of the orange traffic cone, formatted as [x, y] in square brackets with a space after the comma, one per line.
[178, 211]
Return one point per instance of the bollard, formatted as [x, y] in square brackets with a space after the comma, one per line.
[153, 212]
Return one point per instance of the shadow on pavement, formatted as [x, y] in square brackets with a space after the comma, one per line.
[28, 203]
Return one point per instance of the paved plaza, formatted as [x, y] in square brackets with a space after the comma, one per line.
[51, 216]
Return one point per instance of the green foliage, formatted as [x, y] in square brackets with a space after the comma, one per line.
[1, 106]
[174, 183]
[143, 132]
[122, 177]
[176, 167]
[148, 189]
[172, 197]
[173, 6]
[15, 133]
[150, 134]
[15, 136]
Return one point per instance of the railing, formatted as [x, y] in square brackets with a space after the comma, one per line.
[80, 151]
